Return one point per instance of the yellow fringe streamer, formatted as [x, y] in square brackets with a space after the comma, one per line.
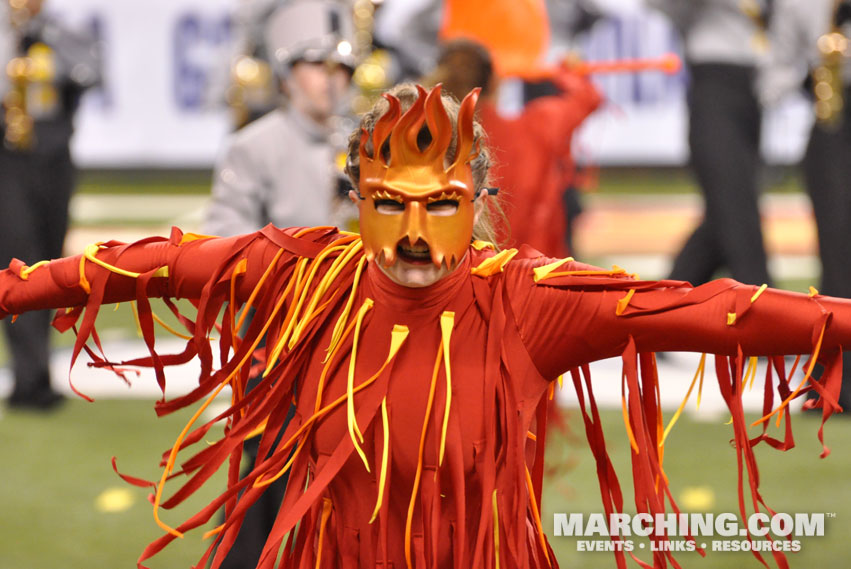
[623, 302]
[419, 471]
[341, 321]
[189, 237]
[354, 430]
[547, 274]
[478, 245]
[136, 318]
[758, 292]
[698, 373]
[780, 408]
[172, 457]
[750, 374]
[629, 432]
[250, 302]
[304, 288]
[294, 286]
[399, 335]
[84, 282]
[447, 321]
[240, 269]
[326, 513]
[90, 251]
[731, 316]
[495, 530]
[156, 319]
[544, 270]
[536, 514]
[169, 329]
[493, 265]
[385, 450]
[215, 531]
[169, 467]
[348, 245]
[323, 286]
[25, 273]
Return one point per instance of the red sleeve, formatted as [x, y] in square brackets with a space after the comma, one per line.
[574, 316]
[181, 266]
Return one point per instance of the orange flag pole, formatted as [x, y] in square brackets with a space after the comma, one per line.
[669, 63]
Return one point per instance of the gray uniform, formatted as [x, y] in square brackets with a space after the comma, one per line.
[279, 169]
[714, 31]
[795, 31]
[36, 183]
[723, 45]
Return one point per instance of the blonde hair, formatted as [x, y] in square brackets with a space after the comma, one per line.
[491, 224]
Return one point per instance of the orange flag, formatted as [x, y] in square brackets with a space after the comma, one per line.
[516, 32]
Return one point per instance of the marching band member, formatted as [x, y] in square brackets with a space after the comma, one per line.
[724, 43]
[810, 48]
[50, 69]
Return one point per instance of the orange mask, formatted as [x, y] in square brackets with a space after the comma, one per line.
[417, 185]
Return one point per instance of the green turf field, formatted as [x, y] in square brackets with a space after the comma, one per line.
[701, 467]
[65, 507]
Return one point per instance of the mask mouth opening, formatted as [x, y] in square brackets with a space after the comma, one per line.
[418, 253]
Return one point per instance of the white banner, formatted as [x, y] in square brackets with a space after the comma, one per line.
[162, 56]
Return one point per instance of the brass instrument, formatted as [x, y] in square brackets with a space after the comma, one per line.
[758, 11]
[18, 122]
[371, 75]
[827, 77]
[251, 88]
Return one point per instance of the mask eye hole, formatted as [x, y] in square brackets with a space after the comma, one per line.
[389, 207]
[442, 207]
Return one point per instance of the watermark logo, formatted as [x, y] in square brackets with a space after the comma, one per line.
[780, 530]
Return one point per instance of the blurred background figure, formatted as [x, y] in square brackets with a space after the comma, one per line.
[529, 108]
[532, 150]
[408, 31]
[570, 23]
[810, 51]
[47, 67]
[286, 168]
[253, 83]
[724, 42]
[252, 91]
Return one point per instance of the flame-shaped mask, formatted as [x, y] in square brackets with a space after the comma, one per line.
[419, 183]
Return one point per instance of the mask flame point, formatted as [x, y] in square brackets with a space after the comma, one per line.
[417, 178]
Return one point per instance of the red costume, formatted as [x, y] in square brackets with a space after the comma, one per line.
[533, 163]
[414, 441]
[507, 332]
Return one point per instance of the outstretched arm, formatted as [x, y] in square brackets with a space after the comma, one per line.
[575, 314]
[178, 267]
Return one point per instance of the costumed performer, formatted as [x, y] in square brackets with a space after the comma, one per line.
[418, 358]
